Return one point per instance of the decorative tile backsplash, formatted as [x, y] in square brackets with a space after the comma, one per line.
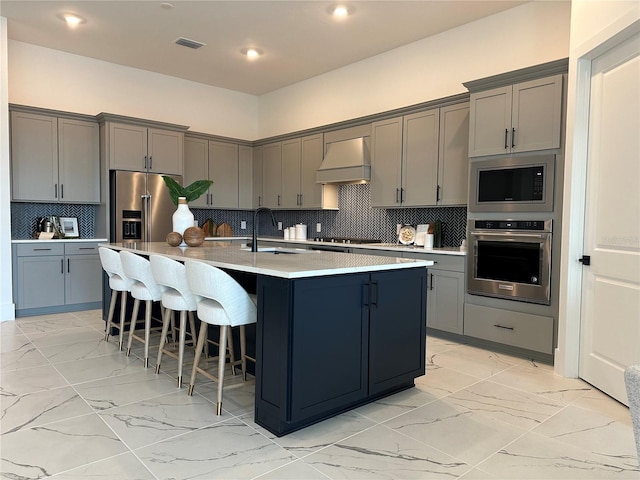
[355, 218]
[24, 216]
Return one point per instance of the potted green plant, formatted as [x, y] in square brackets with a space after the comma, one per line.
[182, 218]
[190, 192]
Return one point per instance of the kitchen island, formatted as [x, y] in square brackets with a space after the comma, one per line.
[334, 331]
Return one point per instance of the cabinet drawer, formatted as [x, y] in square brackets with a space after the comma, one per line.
[533, 332]
[81, 248]
[32, 249]
[453, 263]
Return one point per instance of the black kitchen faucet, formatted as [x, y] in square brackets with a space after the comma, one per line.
[254, 240]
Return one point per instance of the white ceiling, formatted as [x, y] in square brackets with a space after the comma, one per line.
[299, 38]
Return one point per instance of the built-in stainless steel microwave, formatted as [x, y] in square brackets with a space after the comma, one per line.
[512, 184]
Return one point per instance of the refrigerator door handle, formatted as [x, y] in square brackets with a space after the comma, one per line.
[146, 227]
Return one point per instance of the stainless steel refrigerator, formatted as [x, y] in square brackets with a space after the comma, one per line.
[141, 208]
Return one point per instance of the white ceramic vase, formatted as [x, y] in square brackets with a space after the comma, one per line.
[182, 218]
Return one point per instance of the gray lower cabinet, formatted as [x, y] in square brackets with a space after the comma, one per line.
[518, 329]
[56, 277]
[445, 291]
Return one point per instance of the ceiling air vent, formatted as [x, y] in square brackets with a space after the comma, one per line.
[185, 42]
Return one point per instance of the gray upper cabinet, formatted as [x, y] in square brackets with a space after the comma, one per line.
[386, 162]
[289, 175]
[223, 170]
[421, 159]
[54, 159]
[245, 177]
[257, 177]
[272, 175]
[312, 194]
[139, 148]
[523, 117]
[216, 161]
[453, 155]
[291, 154]
[196, 166]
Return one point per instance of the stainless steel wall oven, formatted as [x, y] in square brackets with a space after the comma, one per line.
[510, 259]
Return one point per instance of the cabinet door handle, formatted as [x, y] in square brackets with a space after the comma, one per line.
[150, 162]
[431, 281]
[374, 299]
[41, 249]
[506, 138]
[259, 200]
[62, 266]
[438, 193]
[55, 188]
[68, 265]
[401, 195]
[502, 326]
[397, 195]
[144, 162]
[278, 200]
[513, 138]
[62, 190]
[365, 294]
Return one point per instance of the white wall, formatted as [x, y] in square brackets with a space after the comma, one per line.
[7, 310]
[429, 69]
[593, 22]
[47, 78]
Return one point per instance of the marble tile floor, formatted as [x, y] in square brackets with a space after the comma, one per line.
[73, 407]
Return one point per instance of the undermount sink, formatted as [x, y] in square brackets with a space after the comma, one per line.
[280, 250]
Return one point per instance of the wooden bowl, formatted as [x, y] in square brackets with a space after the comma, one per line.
[174, 239]
[193, 236]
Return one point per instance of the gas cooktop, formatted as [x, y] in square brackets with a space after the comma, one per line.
[347, 240]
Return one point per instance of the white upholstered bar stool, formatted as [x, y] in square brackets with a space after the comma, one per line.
[119, 283]
[144, 289]
[223, 302]
[177, 297]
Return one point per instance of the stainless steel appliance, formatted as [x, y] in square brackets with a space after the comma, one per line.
[510, 259]
[141, 208]
[514, 184]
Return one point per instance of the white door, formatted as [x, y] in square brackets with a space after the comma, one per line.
[610, 328]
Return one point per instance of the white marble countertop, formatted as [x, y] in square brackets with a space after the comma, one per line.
[58, 240]
[287, 264]
[366, 246]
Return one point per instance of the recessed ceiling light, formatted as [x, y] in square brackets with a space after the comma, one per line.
[166, 5]
[341, 11]
[252, 53]
[71, 19]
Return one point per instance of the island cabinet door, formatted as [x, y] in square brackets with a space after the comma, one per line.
[311, 349]
[397, 328]
[329, 344]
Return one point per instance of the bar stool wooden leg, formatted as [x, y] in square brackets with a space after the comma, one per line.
[112, 307]
[243, 352]
[163, 337]
[202, 337]
[183, 336]
[222, 358]
[192, 329]
[147, 331]
[123, 311]
[132, 326]
[232, 355]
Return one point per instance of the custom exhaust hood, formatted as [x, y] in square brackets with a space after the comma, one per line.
[346, 161]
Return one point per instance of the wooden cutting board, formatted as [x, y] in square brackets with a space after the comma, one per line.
[224, 230]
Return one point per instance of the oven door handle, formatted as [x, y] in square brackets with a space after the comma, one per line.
[502, 235]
